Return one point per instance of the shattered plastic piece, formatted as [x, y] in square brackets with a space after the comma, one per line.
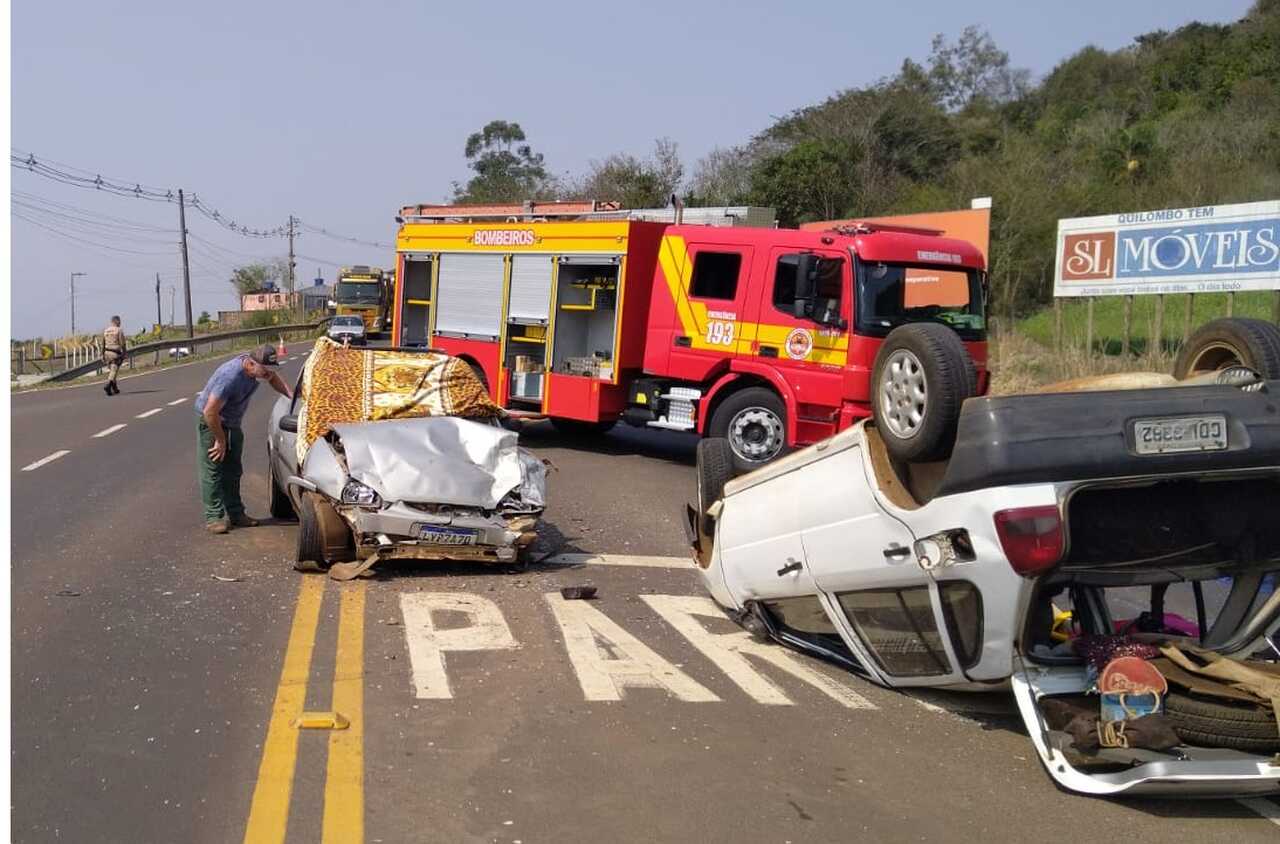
[578, 593]
[67, 593]
[227, 579]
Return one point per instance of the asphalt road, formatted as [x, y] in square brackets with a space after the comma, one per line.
[153, 701]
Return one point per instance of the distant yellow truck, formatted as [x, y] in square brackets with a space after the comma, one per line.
[364, 292]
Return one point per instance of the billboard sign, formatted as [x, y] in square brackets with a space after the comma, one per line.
[1210, 249]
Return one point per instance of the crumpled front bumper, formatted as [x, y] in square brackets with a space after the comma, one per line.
[393, 532]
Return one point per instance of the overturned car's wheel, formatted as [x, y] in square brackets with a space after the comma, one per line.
[1212, 724]
[1231, 342]
[922, 375]
[310, 538]
[715, 469]
[281, 506]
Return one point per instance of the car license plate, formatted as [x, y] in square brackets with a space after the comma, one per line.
[446, 536]
[1167, 434]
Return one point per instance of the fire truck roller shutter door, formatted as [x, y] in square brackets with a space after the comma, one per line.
[469, 294]
[530, 287]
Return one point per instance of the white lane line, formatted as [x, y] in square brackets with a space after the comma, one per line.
[106, 432]
[178, 401]
[1263, 806]
[44, 460]
[152, 412]
[621, 560]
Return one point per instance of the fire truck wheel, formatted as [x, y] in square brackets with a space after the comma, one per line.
[754, 421]
[922, 375]
[578, 428]
[1231, 342]
[715, 469]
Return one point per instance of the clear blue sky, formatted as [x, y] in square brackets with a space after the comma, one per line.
[341, 113]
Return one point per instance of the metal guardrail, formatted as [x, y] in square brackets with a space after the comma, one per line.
[193, 343]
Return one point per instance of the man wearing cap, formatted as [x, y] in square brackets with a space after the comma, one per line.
[221, 405]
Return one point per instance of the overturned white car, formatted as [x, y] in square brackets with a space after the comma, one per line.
[388, 453]
[1064, 530]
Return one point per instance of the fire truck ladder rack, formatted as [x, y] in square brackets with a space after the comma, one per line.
[527, 211]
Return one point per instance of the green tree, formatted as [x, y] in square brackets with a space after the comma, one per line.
[506, 168]
[636, 183]
[252, 278]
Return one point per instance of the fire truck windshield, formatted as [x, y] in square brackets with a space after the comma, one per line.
[358, 292]
[890, 295]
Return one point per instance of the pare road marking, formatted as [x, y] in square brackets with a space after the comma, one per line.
[43, 460]
[487, 631]
[609, 660]
[152, 412]
[106, 432]
[729, 652]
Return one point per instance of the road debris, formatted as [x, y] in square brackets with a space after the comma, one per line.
[578, 593]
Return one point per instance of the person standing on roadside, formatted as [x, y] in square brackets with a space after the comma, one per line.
[221, 406]
[113, 347]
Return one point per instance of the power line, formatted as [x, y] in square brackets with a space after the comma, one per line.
[82, 240]
[320, 230]
[91, 227]
[95, 215]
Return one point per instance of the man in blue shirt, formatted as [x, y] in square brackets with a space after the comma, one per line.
[221, 405]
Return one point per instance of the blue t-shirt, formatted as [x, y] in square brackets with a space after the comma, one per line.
[230, 383]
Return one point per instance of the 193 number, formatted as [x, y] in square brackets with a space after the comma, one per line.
[720, 333]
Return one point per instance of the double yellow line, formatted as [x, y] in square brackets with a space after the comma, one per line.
[344, 777]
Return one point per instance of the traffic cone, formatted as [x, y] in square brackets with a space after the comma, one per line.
[280, 352]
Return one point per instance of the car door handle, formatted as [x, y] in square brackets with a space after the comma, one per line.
[684, 341]
[768, 351]
[792, 565]
[896, 551]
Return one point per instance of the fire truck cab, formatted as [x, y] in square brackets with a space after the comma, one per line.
[766, 337]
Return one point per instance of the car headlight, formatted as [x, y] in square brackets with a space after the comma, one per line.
[357, 493]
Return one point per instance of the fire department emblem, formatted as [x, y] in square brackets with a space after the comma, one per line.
[799, 344]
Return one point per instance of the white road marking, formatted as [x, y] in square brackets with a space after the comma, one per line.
[1264, 807]
[621, 560]
[43, 460]
[179, 401]
[105, 432]
[152, 412]
[729, 651]
[608, 659]
[488, 631]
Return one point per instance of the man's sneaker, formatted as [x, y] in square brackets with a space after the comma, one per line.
[106, 388]
[216, 527]
[243, 521]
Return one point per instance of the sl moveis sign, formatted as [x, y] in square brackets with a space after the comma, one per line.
[1179, 250]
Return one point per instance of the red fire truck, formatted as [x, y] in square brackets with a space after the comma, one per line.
[768, 337]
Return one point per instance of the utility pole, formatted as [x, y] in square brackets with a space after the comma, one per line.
[159, 319]
[293, 287]
[186, 264]
[173, 294]
[73, 302]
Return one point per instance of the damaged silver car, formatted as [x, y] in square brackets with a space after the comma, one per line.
[426, 483]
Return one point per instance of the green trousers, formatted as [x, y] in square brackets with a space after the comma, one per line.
[220, 481]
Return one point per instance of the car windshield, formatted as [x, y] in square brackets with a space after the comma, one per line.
[890, 295]
[358, 291]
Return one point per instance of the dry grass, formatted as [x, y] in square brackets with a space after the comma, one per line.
[1019, 363]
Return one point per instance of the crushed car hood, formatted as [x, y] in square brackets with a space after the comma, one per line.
[441, 460]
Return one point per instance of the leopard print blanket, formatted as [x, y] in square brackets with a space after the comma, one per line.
[342, 384]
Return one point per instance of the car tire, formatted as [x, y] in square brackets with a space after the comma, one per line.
[1213, 724]
[281, 506]
[921, 378]
[310, 538]
[586, 430]
[715, 469]
[1231, 342]
[754, 422]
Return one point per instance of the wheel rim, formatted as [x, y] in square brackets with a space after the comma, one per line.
[1214, 357]
[904, 394]
[756, 434]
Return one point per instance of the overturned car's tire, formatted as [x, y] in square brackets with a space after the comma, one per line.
[1231, 342]
[922, 375]
[715, 469]
[310, 537]
[1213, 724]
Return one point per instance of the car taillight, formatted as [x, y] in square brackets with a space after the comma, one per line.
[1031, 538]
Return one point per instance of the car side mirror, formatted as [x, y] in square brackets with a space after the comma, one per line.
[806, 284]
[289, 423]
